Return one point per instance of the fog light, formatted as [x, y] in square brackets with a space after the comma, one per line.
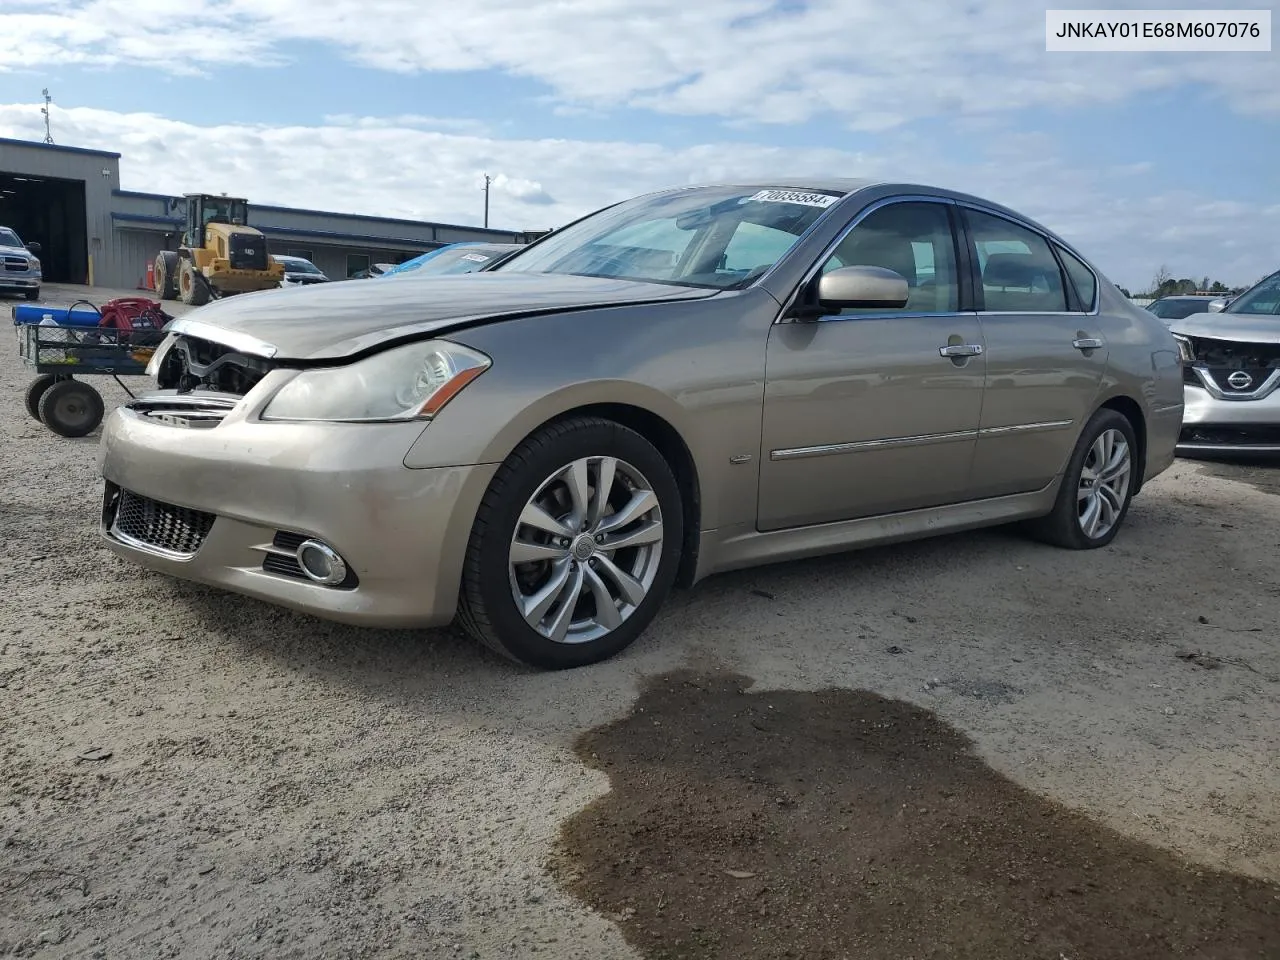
[321, 563]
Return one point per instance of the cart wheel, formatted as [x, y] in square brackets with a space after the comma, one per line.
[36, 390]
[71, 409]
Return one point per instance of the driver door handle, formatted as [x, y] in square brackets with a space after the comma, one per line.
[1086, 343]
[961, 350]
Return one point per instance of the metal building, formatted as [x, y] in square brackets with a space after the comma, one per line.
[69, 200]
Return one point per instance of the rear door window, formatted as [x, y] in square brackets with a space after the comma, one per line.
[1018, 269]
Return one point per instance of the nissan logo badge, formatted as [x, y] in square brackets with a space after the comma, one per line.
[1240, 380]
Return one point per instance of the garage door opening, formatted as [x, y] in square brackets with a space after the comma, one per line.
[50, 212]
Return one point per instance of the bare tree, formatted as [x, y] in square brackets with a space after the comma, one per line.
[1162, 277]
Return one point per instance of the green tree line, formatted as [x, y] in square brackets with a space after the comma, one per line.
[1164, 284]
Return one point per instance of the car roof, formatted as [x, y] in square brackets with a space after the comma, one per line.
[850, 185]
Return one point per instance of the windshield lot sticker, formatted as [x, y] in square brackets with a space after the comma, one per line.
[795, 196]
[478, 257]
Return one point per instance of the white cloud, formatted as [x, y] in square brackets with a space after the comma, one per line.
[374, 166]
[870, 64]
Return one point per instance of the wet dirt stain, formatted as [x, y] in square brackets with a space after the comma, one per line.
[1260, 472]
[840, 824]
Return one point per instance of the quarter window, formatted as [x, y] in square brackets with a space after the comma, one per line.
[912, 239]
[1082, 278]
[1019, 273]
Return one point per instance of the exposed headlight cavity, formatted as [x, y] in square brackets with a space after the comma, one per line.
[412, 382]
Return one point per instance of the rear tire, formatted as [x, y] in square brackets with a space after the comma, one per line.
[71, 409]
[166, 274]
[1097, 486]
[35, 390]
[597, 596]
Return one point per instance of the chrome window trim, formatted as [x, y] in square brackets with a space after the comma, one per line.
[816, 267]
[1051, 240]
[921, 315]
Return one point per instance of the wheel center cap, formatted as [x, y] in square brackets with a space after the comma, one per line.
[584, 547]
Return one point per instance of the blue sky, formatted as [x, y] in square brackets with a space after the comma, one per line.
[398, 107]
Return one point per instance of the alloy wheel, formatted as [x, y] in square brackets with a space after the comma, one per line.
[586, 549]
[1104, 483]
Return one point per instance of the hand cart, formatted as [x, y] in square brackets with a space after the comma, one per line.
[58, 352]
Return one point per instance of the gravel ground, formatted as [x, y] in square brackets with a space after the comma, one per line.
[187, 773]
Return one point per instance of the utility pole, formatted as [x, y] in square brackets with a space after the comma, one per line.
[487, 181]
[48, 134]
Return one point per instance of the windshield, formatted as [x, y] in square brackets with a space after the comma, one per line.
[8, 238]
[224, 210]
[298, 266]
[1263, 298]
[718, 237]
[1176, 309]
[446, 260]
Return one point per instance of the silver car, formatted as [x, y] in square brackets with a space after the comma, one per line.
[692, 381]
[1233, 374]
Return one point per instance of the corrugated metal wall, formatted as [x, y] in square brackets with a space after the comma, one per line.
[125, 229]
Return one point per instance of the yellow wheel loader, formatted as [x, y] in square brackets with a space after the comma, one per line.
[220, 254]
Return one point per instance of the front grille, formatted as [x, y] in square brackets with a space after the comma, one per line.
[16, 264]
[191, 411]
[1238, 435]
[160, 526]
[247, 252]
[1219, 359]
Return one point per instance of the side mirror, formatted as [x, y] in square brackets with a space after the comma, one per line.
[34, 247]
[862, 287]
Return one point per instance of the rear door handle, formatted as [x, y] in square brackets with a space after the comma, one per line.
[1086, 343]
[961, 350]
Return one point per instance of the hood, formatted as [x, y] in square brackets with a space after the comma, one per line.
[327, 321]
[5, 249]
[1245, 327]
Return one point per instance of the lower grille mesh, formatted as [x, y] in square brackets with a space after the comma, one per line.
[163, 526]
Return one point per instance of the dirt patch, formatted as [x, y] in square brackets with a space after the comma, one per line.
[844, 824]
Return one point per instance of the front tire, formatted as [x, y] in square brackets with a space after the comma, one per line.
[558, 575]
[32, 294]
[1097, 486]
[190, 287]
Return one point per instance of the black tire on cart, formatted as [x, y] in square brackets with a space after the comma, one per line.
[71, 409]
[166, 274]
[36, 390]
[190, 287]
